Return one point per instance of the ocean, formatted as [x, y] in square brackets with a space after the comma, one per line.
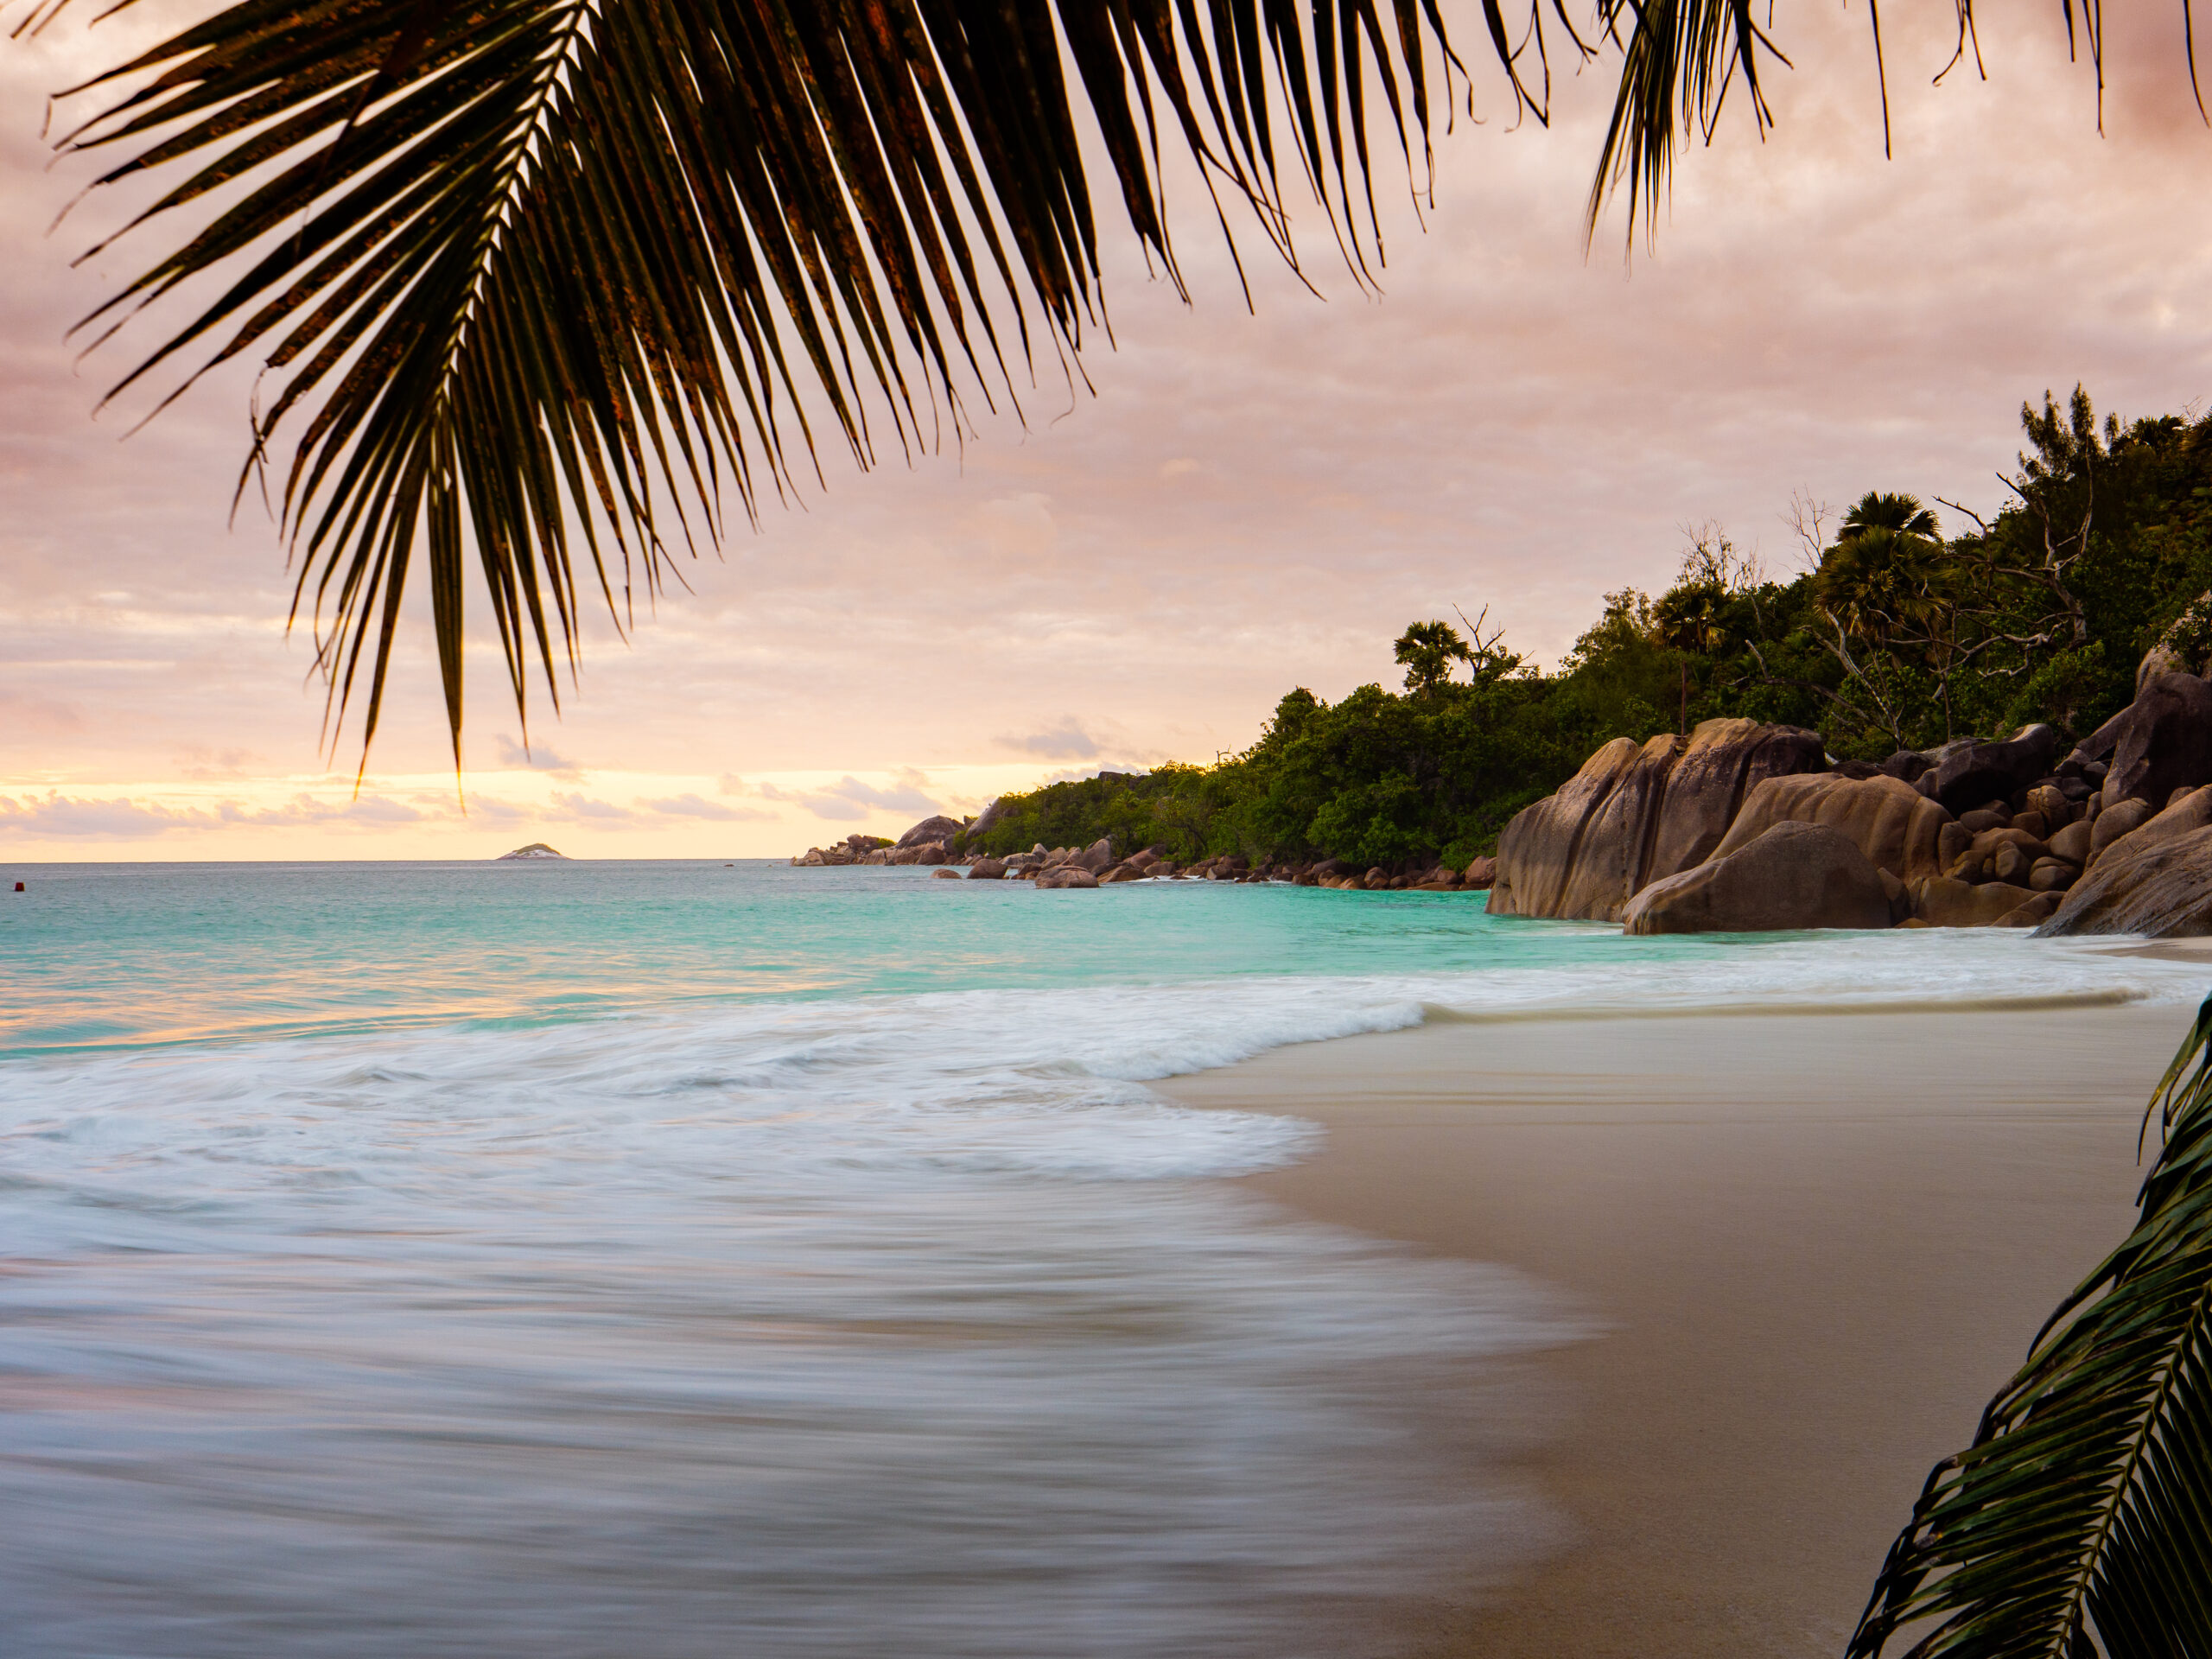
[671, 1259]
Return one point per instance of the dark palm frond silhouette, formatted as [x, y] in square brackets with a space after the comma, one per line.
[547, 286]
[2080, 1521]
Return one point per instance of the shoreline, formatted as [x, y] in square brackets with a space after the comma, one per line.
[1814, 1244]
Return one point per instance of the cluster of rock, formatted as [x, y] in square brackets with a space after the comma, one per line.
[938, 842]
[929, 841]
[1743, 828]
[1100, 865]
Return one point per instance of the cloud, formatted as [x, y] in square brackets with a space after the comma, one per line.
[61, 817]
[848, 799]
[584, 809]
[730, 784]
[695, 806]
[537, 758]
[491, 813]
[1065, 741]
[65, 817]
[211, 765]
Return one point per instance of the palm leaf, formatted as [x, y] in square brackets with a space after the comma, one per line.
[552, 284]
[2080, 1521]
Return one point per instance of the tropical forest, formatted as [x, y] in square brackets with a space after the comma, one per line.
[1904, 624]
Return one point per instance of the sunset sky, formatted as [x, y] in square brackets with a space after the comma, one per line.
[1247, 504]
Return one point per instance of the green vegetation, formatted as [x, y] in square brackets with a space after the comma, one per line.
[1893, 636]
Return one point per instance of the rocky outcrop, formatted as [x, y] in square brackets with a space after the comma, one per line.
[1967, 774]
[1791, 875]
[1721, 767]
[987, 869]
[536, 849]
[1946, 901]
[2117, 823]
[1637, 812]
[2162, 889]
[1066, 875]
[2159, 743]
[1897, 828]
[942, 830]
[853, 850]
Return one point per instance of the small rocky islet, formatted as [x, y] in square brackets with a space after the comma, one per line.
[1742, 827]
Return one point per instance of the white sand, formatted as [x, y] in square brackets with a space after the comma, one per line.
[1819, 1243]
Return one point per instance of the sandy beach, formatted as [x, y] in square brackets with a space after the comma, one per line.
[1814, 1244]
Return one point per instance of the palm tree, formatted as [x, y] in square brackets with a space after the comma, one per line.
[1428, 650]
[1883, 571]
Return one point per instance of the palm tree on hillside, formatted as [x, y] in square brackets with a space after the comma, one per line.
[1428, 650]
[1885, 569]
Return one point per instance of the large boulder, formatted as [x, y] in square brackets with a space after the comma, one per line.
[1608, 861]
[1970, 774]
[2159, 743]
[2162, 889]
[1897, 828]
[1635, 812]
[1940, 902]
[2117, 823]
[1098, 857]
[942, 830]
[987, 869]
[2136, 828]
[1724, 762]
[1792, 875]
[1536, 854]
[1066, 875]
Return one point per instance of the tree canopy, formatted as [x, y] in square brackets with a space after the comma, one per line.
[1892, 637]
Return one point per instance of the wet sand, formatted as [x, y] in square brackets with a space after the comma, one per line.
[1816, 1244]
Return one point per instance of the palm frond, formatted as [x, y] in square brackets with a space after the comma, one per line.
[2080, 1521]
[550, 284]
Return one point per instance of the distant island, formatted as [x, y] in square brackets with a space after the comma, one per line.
[536, 849]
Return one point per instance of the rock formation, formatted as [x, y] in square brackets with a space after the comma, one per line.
[2159, 743]
[1744, 827]
[942, 830]
[1790, 875]
[1892, 824]
[2154, 879]
[1624, 820]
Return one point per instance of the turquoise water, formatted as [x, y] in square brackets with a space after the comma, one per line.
[103, 953]
[670, 1259]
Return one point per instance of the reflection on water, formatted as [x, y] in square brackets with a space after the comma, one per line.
[835, 1331]
[780, 1262]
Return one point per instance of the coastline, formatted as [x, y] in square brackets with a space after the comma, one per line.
[1816, 1244]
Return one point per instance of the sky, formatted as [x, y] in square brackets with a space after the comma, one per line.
[1240, 503]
